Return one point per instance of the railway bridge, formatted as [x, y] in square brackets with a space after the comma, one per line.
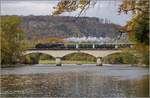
[99, 53]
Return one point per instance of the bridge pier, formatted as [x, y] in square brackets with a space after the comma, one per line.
[58, 61]
[77, 46]
[93, 46]
[99, 61]
[116, 46]
[131, 46]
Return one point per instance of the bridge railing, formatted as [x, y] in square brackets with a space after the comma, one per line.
[71, 49]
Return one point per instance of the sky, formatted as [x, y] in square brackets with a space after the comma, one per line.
[102, 9]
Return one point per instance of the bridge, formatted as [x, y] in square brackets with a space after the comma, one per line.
[57, 53]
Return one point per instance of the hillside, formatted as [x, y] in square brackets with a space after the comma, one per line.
[63, 26]
[49, 26]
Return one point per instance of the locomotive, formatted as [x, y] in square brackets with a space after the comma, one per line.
[50, 45]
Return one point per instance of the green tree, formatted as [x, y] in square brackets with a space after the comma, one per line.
[11, 39]
[32, 58]
[122, 58]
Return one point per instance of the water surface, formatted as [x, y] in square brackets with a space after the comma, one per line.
[75, 81]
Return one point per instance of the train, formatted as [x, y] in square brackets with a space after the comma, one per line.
[80, 46]
[50, 45]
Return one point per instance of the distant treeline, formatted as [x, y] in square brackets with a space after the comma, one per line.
[64, 26]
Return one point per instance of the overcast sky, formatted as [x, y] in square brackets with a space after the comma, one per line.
[103, 9]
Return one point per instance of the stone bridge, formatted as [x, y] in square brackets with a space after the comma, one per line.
[58, 54]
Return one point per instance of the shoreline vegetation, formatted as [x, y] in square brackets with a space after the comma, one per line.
[49, 62]
[66, 62]
[84, 62]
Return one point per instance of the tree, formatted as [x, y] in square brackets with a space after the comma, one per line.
[11, 39]
[138, 27]
[71, 5]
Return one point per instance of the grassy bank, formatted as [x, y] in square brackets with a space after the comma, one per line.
[65, 62]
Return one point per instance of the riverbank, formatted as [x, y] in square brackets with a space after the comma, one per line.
[13, 65]
[84, 62]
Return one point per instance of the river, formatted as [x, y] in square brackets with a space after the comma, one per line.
[44, 80]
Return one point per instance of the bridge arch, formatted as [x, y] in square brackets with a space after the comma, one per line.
[35, 57]
[101, 53]
[40, 53]
[78, 56]
[120, 57]
[37, 52]
[117, 53]
[67, 54]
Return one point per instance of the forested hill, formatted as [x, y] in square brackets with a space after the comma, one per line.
[63, 26]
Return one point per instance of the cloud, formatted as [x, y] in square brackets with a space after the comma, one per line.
[27, 7]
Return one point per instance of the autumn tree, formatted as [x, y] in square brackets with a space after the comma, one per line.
[11, 39]
[72, 5]
[138, 27]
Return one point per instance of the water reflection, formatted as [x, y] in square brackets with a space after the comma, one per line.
[72, 84]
